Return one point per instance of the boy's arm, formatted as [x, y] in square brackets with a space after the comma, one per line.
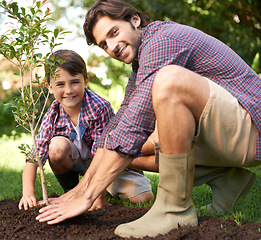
[29, 175]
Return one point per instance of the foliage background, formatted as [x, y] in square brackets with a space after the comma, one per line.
[236, 23]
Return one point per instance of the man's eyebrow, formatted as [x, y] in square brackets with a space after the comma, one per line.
[107, 35]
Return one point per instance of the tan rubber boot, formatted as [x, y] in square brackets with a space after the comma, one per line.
[173, 206]
[228, 184]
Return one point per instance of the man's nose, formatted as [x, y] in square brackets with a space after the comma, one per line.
[111, 43]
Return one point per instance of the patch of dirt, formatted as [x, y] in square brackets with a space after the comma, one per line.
[16, 224]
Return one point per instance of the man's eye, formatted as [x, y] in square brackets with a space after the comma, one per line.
[115, 32]
[103, 45]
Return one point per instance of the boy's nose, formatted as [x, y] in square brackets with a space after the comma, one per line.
[68, 89]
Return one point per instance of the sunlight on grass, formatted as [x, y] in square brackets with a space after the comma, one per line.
[12, 163]
[11, 157]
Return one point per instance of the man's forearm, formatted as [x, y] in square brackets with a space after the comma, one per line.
[111, 165]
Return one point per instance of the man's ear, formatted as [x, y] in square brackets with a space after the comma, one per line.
[86, 81]
[135, 20]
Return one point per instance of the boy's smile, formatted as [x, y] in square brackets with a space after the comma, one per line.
[68, 90]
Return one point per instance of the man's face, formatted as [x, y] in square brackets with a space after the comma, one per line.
[118, 38]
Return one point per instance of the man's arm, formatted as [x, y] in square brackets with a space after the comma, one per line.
[111, 165]
[84, 182]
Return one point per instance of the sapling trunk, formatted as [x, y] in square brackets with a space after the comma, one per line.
[20, 45]
[41, 168]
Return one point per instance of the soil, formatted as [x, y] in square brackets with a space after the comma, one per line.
[16, 224]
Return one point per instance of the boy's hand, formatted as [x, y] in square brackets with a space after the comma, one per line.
[28, 201]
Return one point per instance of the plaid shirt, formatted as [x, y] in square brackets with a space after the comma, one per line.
[94, 115]
[165, 43]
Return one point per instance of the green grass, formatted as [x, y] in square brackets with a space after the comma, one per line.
[12, 164]
[11, 167]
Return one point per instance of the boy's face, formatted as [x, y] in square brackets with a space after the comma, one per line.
[120, 39]
[68, 90]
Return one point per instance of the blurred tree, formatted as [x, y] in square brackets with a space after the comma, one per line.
[108, 77]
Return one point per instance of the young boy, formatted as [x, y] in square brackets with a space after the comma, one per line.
[69, 131]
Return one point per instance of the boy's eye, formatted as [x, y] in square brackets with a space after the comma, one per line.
[75, 82]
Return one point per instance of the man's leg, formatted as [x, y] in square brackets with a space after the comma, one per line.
[60, 160]
[179, 97]
[227, 183]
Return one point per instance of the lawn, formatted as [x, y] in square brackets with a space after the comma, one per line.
[12, 164]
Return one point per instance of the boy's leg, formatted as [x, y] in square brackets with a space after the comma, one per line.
[61, 154]
[131, 185]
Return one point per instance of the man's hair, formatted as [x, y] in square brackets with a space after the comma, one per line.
[69, 61]
[114, 9]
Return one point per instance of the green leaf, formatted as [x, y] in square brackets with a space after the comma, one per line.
[14, 8]
[13, 31]
[255, 63]
[56, 32]
[4, 3]
[23, 10]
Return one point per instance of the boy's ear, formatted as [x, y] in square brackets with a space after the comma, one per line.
[135, 20]
[49, 87]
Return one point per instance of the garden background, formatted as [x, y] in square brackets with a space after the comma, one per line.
[236, 23]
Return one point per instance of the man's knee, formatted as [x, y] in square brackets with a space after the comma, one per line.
[176, 85]
[171, 81]
[169, 77]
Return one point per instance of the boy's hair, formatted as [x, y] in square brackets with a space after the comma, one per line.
[69, 61]
[115, 9]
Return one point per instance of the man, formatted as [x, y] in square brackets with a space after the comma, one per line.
[205, 99]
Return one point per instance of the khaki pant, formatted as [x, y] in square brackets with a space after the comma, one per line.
[226, 133]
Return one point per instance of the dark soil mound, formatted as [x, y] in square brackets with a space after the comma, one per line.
[16, 224]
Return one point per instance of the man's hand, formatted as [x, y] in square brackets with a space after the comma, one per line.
[99, 203]
[92, 185]
[58, 212]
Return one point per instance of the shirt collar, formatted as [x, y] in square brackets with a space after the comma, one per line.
[88, 112]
